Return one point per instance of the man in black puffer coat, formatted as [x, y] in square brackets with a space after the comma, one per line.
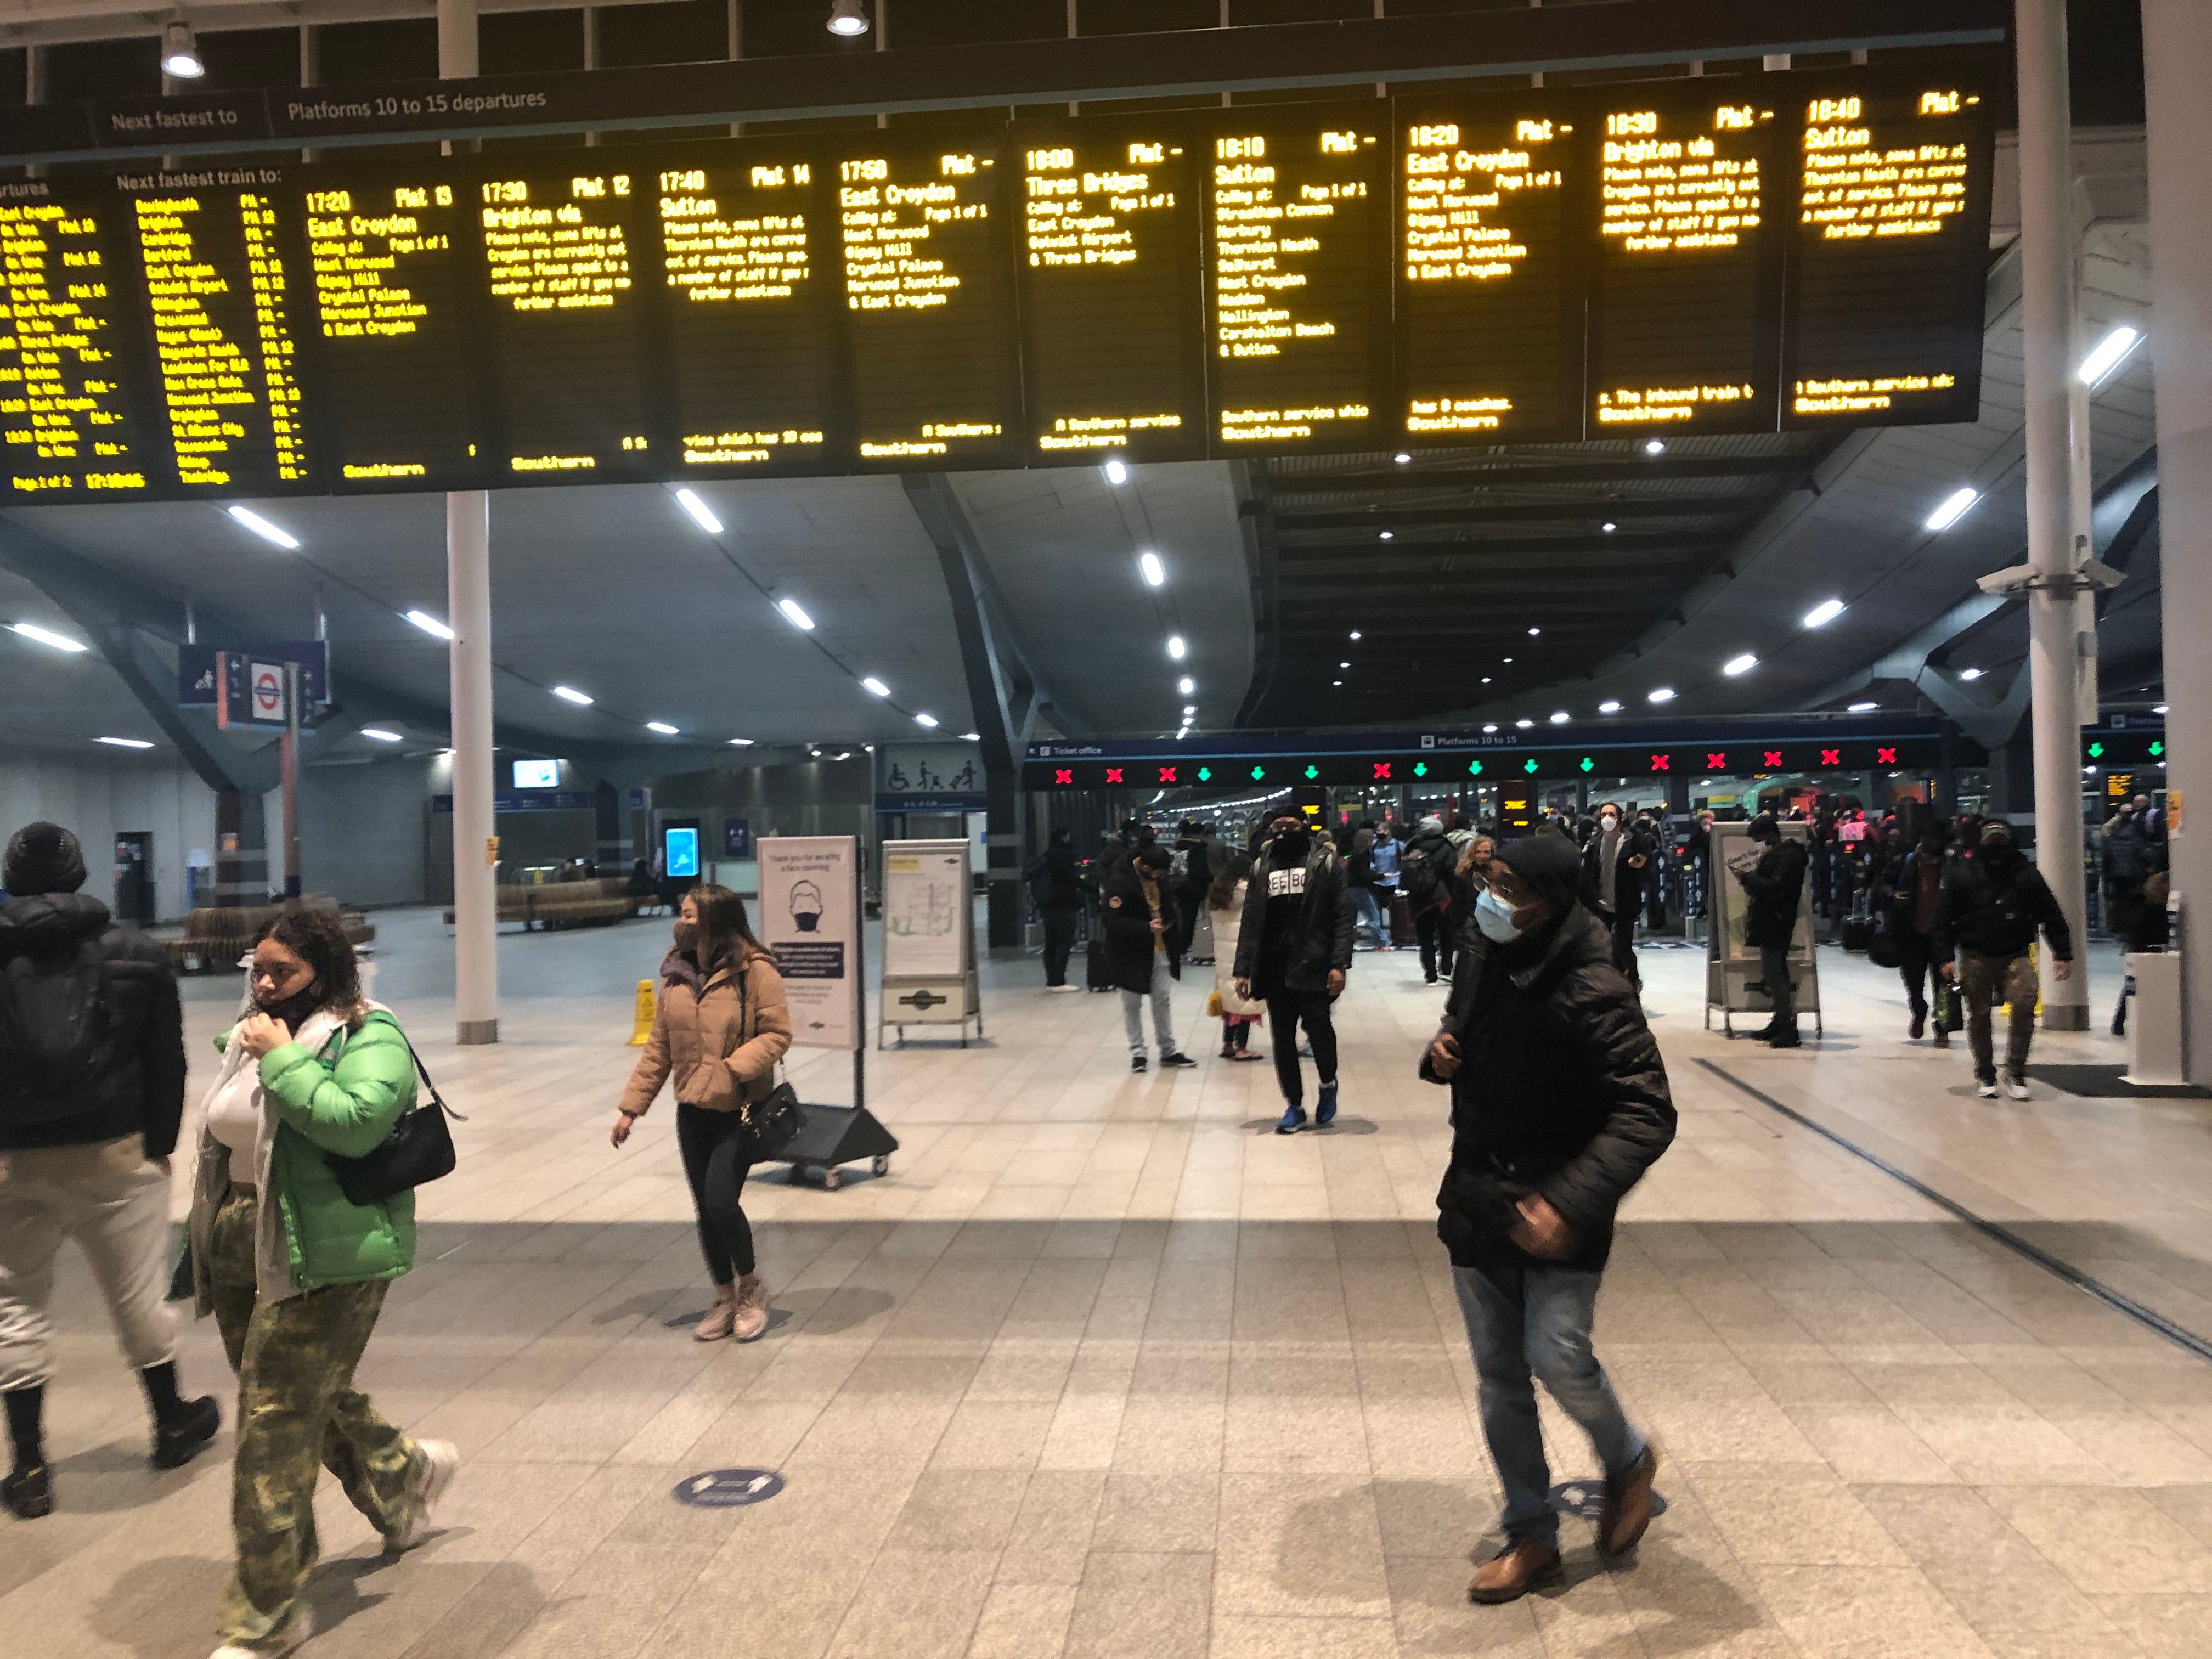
[1559, 1103]
[1773, 887]
[91, 1089]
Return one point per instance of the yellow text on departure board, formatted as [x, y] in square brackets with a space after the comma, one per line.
[1858, 187]
[712, 255]
[213, 380]
[1667, 195]
[887, 229]
[361, 259]
[564, 256]
[61, 397]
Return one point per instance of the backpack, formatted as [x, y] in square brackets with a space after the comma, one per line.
[55, 1032]
[1418, 875]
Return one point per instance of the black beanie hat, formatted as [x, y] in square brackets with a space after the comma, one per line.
[1550, 867]
[42, 858]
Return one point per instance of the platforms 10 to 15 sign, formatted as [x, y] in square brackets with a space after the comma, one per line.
[1718, 255]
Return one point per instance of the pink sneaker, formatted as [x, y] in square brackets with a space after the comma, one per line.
[749, 1317]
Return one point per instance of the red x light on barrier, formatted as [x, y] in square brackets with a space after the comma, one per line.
[1112, 775]
[1716, 762]
[1659, 762]
[1062, 775]
[1382, 769]
[1885, 757]
[1773, 759]
[1167, 775]
[1831, 758]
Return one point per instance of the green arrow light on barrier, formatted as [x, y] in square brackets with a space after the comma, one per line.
[1589, 765]
[2157, 748]
[1529, 766]
[1312, 772]
[1205, 772]
[2096, 750]
[1474, 768]
[1420, 769]
[1258, 773]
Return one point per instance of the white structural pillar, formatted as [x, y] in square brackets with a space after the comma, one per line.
[468, 601]
[2177, 70]
[2048, 307]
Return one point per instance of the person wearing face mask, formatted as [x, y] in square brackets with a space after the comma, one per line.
[1990, 909]
[1773, 888]
[1293, 949]
[1559, 1104]
[296, 1272]
[1430, 880]
[719, 1025]
[1615, 865]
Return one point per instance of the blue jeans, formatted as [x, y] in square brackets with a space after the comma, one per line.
[1370, 911]
[1526, 1323]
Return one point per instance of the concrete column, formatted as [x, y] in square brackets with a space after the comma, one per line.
[2048, 310]
[475, 842]
[2177, 69]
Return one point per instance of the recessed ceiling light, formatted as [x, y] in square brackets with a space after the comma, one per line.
[124, 743]
[261, 527]
[1953, 509]
[1401, 457]
[2109, 354]
[1610, 706]
[46, 636]
[1344, 664]
[2159, 709]
[1655, 446]
[876, 685]
[1824, 613]
[1969, 673]
[1560, 717]
[1187, 686]
[1524, 725]
[380, 734]
[741, 742]
[1485, 679]
[1117, 472]
[1610, 526]
[1492, 727]
[1355, 633]
[1188, 709]
[1534, 632]
[795, 614]
[569, 694]
[180, 52]
[1389, 536]
[848, 18]
[1336, 682]
[1664, 694]
[1862, 708]
[661, 726]
[925, 719]
[1506, 659]
[700, 513]
[1155, 573]
[965, 737]
[429, 624]
[1176, 648]
[1740, 665]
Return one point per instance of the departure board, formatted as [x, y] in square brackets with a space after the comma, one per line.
[1685, 318]
[1886, 284]
[387, 335]
[750, 268]
[69, 415]
[1297, 277]
[1113, 347]
[1730, 253]
[1490, 314]
[220, 305]
[567, 335]
[929, 299]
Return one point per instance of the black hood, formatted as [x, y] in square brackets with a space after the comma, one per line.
[49, 921]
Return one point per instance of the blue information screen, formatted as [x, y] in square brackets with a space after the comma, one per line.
[683, 849]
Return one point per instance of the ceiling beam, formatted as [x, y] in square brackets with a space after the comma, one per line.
[1515, 475]
[1620, 509]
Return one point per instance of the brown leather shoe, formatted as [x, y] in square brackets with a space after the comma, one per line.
[1513, 1571]
[1627, 1509]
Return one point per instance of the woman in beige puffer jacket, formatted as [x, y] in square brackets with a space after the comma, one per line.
[719, 1025]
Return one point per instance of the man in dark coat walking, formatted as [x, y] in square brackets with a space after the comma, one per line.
[1773, 887]
[1990, 910]
[1616, 863]
[1293, 949]
[1559, 1103]
[1056, 886]
[1137, 910]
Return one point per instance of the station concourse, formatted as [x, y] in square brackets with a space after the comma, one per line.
[944, 487]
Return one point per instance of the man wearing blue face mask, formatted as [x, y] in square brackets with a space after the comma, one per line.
[1559, 1103]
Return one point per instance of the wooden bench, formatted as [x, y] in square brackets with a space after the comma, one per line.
[214, 939]
[562, 903]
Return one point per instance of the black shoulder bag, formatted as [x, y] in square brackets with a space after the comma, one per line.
[418, 1150]
[768, 1125]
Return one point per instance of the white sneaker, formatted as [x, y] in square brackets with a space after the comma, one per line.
[441, 1460]
[2016, 1087]
[1987, 1090]
[302, 1627]
[1063, 990]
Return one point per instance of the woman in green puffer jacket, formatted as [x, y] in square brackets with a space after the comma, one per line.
[295, 1273]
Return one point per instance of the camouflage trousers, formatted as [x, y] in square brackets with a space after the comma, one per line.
[297, 1407]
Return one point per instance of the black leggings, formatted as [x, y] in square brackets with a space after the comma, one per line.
[713, 1163]
[1286, 1010]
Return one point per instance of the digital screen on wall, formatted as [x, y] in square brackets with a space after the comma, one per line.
[1734, 253]
[537, 775]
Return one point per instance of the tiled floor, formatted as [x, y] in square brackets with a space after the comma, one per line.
[1103, 1369]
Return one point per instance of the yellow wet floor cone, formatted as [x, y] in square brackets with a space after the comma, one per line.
[642, 1027]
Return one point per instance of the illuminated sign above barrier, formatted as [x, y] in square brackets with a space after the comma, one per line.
[1732, 254]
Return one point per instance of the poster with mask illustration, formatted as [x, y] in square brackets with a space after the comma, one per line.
[810, 917]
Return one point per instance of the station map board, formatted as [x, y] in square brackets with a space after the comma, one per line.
[1727, 254]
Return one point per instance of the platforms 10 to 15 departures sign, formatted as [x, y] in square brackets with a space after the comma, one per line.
[1729, 254]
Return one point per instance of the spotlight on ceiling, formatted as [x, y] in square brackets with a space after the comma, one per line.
[876, 685]
[1824, 613]
[2110, 353]
[1355, 633]
[1524, 725]
[1187, 686]
[1969, 673]
[1176, 648]
[180, 52]
[429, 624]
[1388, 536]
[1954, 509]
[1664, 694]
[848, 18]
[1402, 458]
[1610, 706]
[1610, 526]
[569, 694]
[661, 726]
[701, 513]
[1742, 665]
[925, 719]
[1560, 717]
[795, 614]
[1862, 708]
[1156, 574]
[261, 527]
[1117, 472]
[1655, 446]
